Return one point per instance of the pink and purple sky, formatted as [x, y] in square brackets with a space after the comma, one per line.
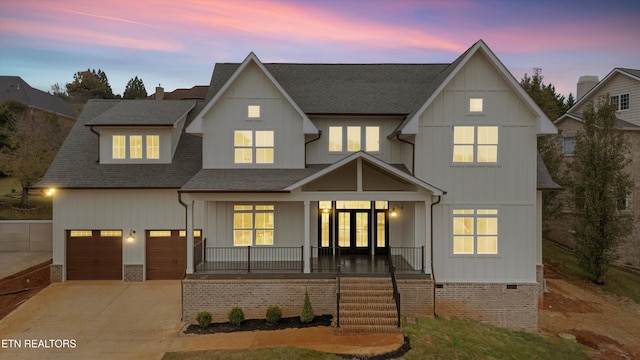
[177, 43]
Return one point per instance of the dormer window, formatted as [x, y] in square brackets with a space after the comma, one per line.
[138, 146]
[253, 111]
[354, 138]
[621, 101]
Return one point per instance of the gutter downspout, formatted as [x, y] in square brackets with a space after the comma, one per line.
[97, 133]
[433, 275]
[186, 214]
[413, 153]
[308, 142]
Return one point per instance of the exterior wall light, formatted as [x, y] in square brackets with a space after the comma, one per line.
[394, 211]
[131, 236]
[50, 191]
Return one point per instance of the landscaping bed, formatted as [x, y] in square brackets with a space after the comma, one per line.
[260, 324]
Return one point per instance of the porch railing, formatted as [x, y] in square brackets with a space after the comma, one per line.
[396, 293]
[408, 258]
[253, 258]
[198, 250]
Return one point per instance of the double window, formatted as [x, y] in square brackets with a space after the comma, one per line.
[621, 101]
[475, 231]
[475, 144]
[136, 147]
[354, 138]
[253, 146]
[253, 225]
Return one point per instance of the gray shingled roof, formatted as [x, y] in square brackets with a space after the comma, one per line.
[619, 122]
[230, 180]
[142, 113]
[349, 88]
[16, 89]
[76, 164]
[544, 180]
[634, 72]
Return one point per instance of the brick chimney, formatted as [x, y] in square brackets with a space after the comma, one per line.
[159, 92]
[585, 83]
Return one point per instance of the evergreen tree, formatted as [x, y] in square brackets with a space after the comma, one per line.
[89, 84]
[598, 185]
[135, 89]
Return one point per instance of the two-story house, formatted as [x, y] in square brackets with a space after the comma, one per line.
[622, 86]
[294, 177]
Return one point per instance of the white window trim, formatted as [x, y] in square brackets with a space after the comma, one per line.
[484, 103]
[475, 216]
[253, 228]
[253, 148]
[127, 148]
[564, 153]
[619, 101]
[363, 139]
[259, 107]
[475, 162]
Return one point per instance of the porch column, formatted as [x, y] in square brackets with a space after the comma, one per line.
[306, 253]
[427, 237]
[189, 238]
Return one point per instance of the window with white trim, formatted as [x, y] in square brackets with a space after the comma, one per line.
[253, 111]
[568, 145]
[357, 138]
[476, 105]
[253, 225]
[253, 147]
[475, 144]
[475, 231]
[621, 101]
[135, 147]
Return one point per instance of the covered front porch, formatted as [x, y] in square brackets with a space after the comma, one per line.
[359, 215]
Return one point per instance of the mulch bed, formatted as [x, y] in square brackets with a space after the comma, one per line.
[260, 324]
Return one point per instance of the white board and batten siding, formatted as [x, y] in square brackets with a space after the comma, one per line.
[252, 87]
[125, 210]
[508, 186]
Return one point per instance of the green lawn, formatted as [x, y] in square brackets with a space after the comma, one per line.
[616, 281]
[433, 338]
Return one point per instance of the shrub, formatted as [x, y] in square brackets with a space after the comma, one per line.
[274, 314]
[236, 316]
[204, 319]
[307, 311]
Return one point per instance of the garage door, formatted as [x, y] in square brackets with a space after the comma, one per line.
[166, 254]
[94, 255]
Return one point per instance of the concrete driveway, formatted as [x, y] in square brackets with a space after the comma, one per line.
[94, 319]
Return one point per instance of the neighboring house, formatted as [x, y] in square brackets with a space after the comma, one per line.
[289, 177]
[16, 89]
[623, 86]
[198, 92]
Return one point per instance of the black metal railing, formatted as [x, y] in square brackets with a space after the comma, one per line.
[325, 259]
[396, 293]
[198, 252]
[408, 258]
[253, 258]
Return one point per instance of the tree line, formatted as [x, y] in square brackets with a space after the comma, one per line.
[92, 84]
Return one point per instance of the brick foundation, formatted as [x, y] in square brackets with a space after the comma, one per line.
[416, 297]
[219, 296]
[490, 303]
[55, 273]
[133, 273]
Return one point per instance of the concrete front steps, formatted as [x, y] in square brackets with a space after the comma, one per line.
[367, 306]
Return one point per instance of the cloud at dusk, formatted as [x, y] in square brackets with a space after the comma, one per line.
[177, 43]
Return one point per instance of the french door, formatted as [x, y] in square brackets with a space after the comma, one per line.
[354, 230]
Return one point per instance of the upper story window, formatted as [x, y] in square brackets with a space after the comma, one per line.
[253, 111]
[568, 145]
[475, 144]
[475, 105]
[135, 147]
[475, 231]
[253, 225]
[621, 101]
[253, 147]
[357, 138]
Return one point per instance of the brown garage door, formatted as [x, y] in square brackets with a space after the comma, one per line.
[94, 255]
[166, 255]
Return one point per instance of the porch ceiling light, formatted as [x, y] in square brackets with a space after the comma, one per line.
[131, 236]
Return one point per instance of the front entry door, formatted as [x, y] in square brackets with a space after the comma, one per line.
[353, 231]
